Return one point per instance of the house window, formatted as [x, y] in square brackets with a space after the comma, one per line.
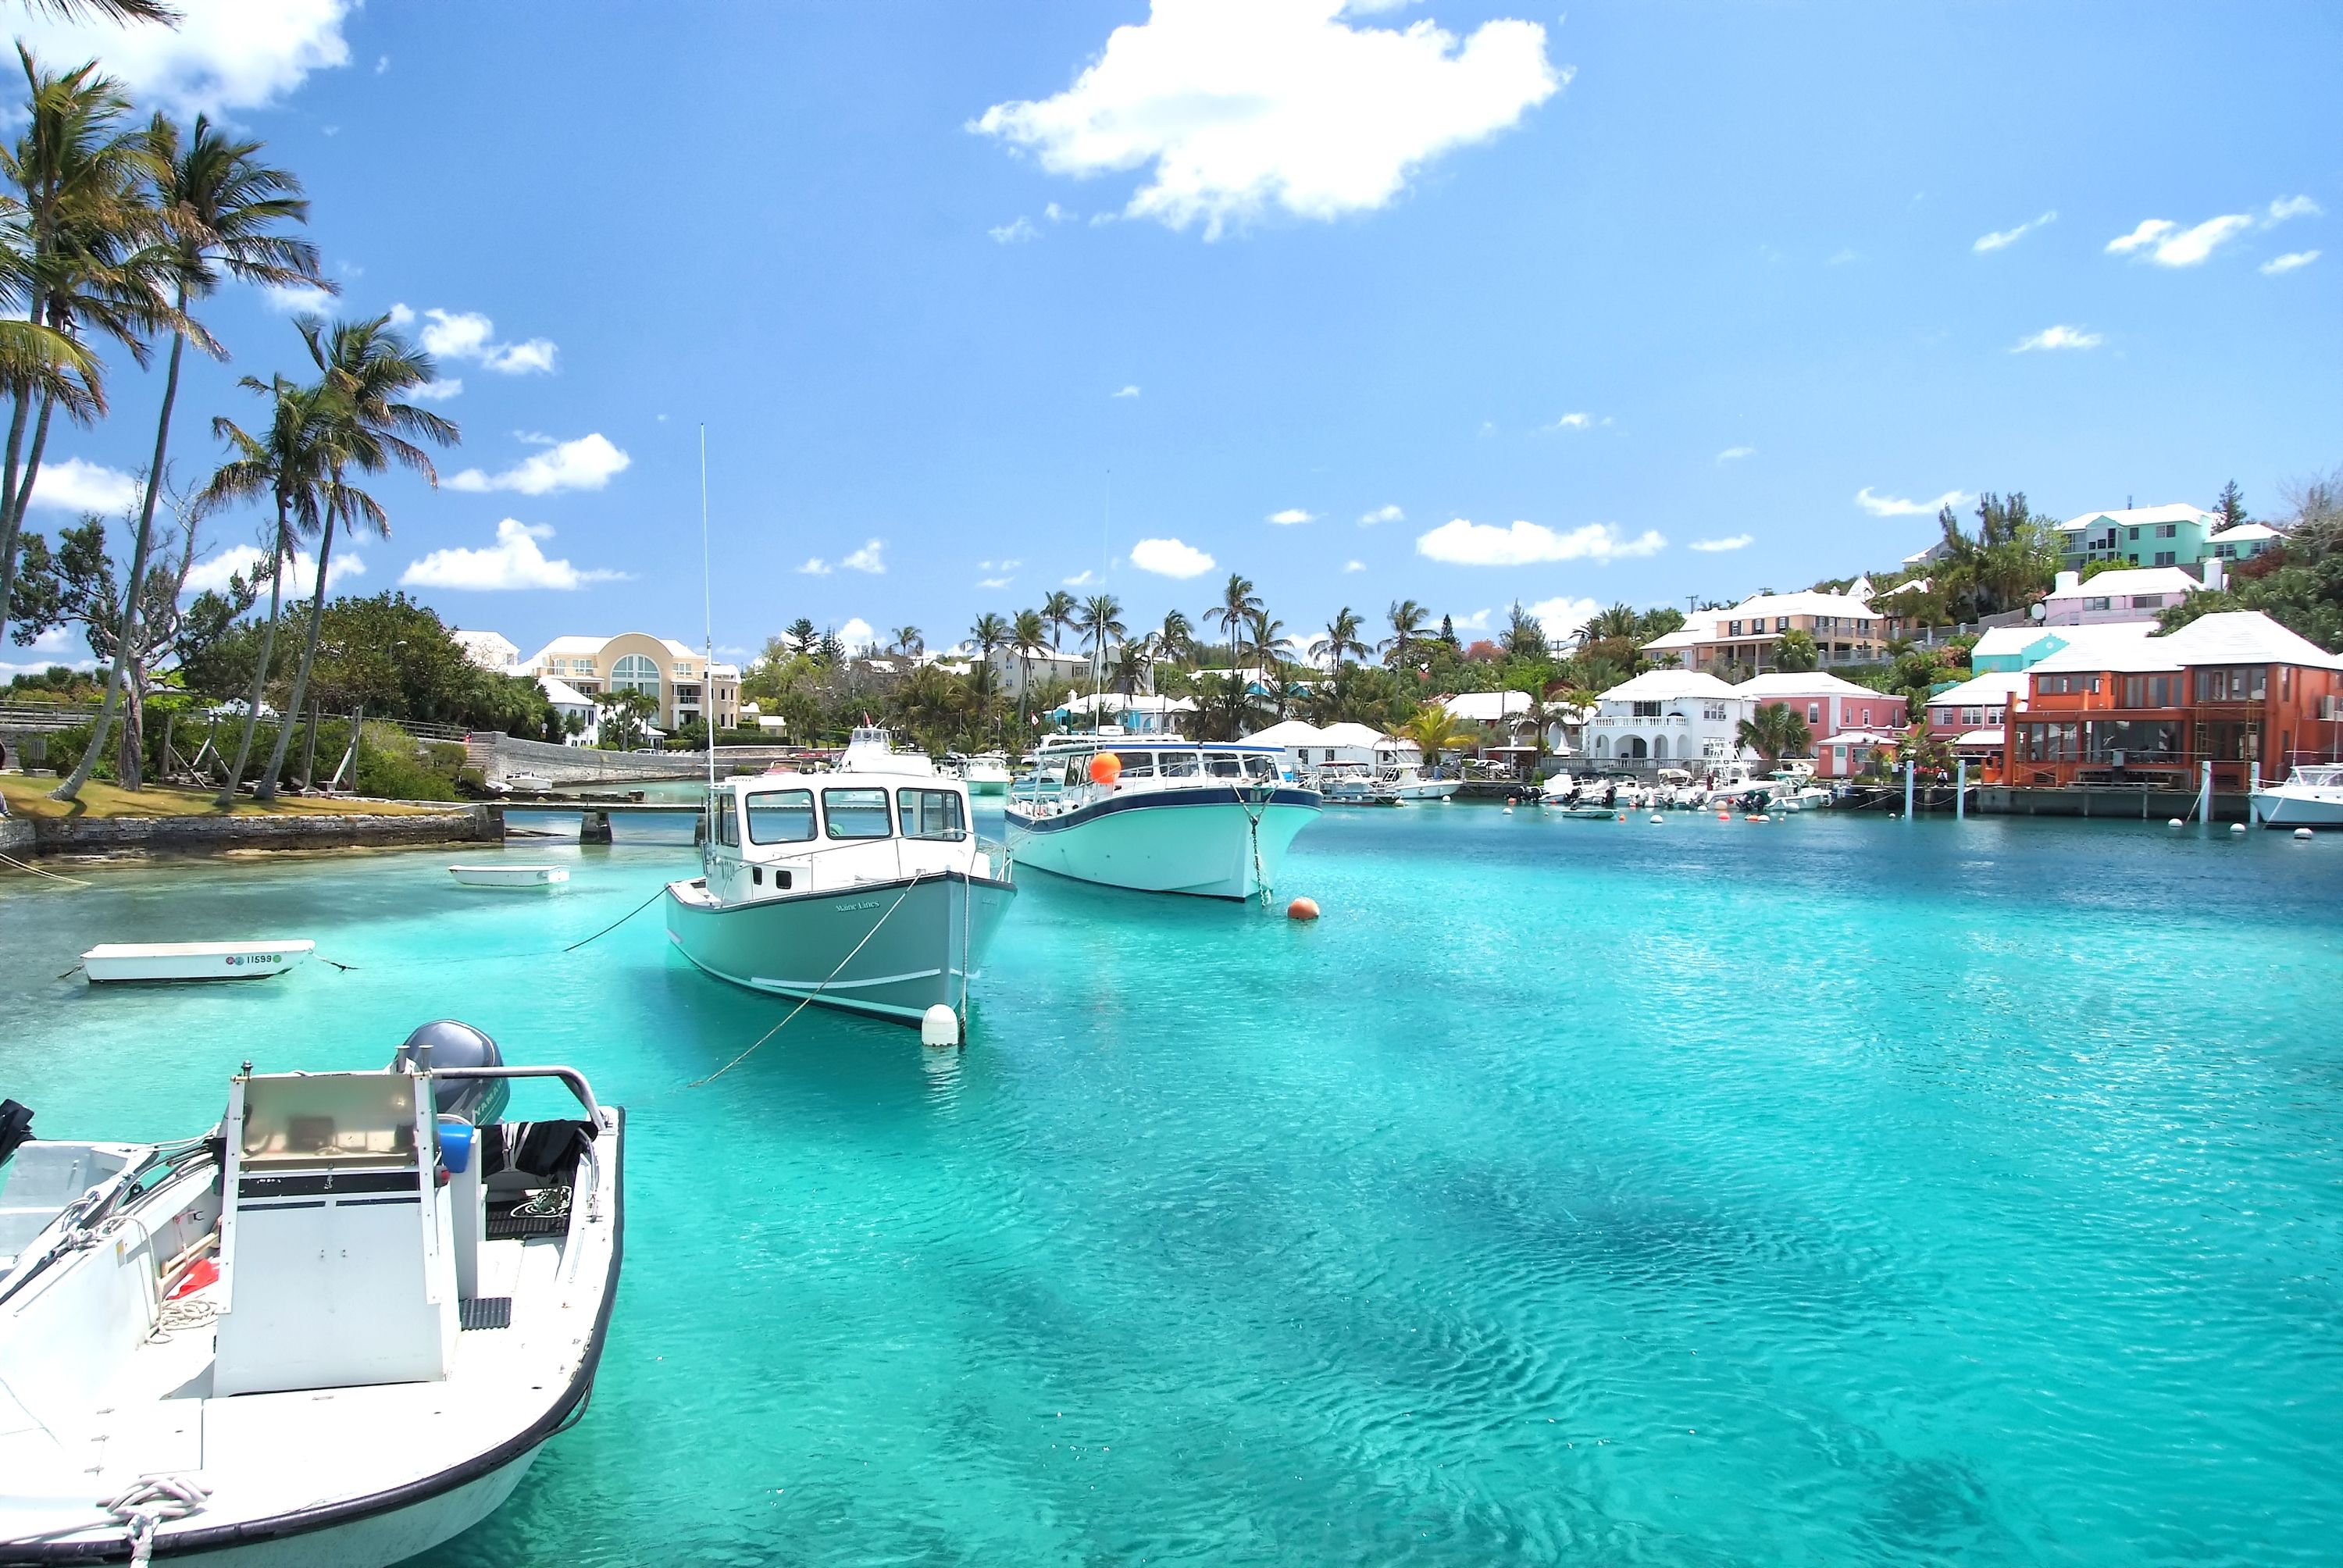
[2099, 603]
[2167, 558]
[2147, 601]
[635, 673]
[1715, 712]
[1647, 709]
[1814, 713]
[1736, 630]
[1972, 716]
[2232, 685]
[1781, 623]
[2133, 534]
[2167, 530]
[682, 667]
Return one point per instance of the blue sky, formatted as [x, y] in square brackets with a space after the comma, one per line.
[1556, 299]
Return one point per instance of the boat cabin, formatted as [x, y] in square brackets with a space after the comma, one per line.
[783, 834]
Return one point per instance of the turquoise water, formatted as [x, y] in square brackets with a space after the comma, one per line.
[1829, 1191]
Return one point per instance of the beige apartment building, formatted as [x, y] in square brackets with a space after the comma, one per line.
[680, 680]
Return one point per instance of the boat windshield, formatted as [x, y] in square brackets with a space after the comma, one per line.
[781, 816]
[1137, 764]
[1257, 767]
[1177, 764]
[1223, 765]
[856, 813]
[931, 814]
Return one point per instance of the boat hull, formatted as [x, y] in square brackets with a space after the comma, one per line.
[510, 876]
[115, 962]
[1428, 790]
[891, 950]
[1195, 841]
[2293, 809]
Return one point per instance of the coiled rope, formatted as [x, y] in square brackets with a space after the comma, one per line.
[153, 1500]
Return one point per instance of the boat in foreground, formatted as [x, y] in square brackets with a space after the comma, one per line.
[2311, 797]
[866, 889]
[114, 962]
[510, 876]
[1160, 815]
[336, 1331]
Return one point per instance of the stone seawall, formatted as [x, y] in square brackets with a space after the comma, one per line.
[217, 835]
[16, 837]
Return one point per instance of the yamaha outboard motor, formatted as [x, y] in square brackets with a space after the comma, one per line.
[447, 1044]
[16, 1127]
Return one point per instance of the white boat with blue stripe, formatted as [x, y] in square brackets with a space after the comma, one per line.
[1159, 814]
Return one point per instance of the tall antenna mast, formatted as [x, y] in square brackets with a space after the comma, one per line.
[708, 630]
[1098, 652]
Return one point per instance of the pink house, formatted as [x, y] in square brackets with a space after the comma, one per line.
[1832, 707]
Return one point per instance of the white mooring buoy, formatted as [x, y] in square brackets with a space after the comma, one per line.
[940, 1026]
[2237, 827]
[2175, 822]
[2304, 834]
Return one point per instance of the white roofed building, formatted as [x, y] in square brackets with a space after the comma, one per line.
[2168, 536]
[2244, 542]
[1828, 703]
[489, 650]
[1667, 718]
[2123, 594]
[1845, 630]
[681, 684]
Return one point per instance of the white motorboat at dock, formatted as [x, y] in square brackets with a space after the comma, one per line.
[2311, 797]
[336, 1331]
[1160, 814]
[111, 962]
[494, 876]
[866, 889]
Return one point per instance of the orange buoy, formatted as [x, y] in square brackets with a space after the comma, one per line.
[1725, 816]
[1620, 818]
[1301, 910]
[1105, 767]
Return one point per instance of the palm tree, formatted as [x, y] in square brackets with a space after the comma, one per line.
[1268, 640]
[1235, 611]
[1775, 731]
[1058, 613]
[290, 464]
[907, 640]
[363, 367]
[1433, 729]
[1619, 622]
[1025, 635]
[83, 226]
[1407, 618]
[116, 11]
[1341, 640]
[1099, 622]
[1177, 636]
[225, 209]
[1796, 653]
[989, 632]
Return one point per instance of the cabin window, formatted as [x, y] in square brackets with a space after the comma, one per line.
[855, 813]
[1262, 768]
[931, 814]
[1137, 764]
[1177, 764]
[727, 826]
[1223, 765]
[780, 817]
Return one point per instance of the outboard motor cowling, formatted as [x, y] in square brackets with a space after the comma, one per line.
[445, 1043]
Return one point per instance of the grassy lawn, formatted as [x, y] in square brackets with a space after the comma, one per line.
[30, 798]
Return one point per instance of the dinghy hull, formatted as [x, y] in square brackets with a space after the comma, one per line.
[115, 962]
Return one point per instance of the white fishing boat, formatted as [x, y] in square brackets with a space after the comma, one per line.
[336, 1331]
[114, 962]
[986, 774]
[537, 782]
[865, 889]
[1406, 781]
[2311, 797]
[510, 876]
[1161, 814]
[1349, 784]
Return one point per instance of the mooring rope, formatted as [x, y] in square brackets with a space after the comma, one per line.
[52, 876]
[621, 920]
[808, 999]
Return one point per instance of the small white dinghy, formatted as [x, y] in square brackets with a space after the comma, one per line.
[193, 960]
[336, 1331]
[510, 876]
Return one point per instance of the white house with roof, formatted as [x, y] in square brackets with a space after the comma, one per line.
[489, 649]
[1667, 718]
[2015, 648]
[2134, 595]
[1982, 702]
[569, 702]
[2243, 542]
[1846, 630]
[2168, 536]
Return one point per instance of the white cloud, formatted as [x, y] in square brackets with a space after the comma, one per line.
[1014, 232]
[1354, 565]
[1564, 617]
[1896, 507]
[74, 485]
[857, 635]
[1841, 257]
[1473, 544]
[815, 566]
[2059, 337]
[295, 299]
[514, 561]
[224, 54]
[1291, 516]
[400, 316]
[2290, 261]
[2167, 244]
[2286, 208]
[437, 391]
[867, 560]
[1082, 579]
[1126, 392]
[1735, 454]
[2003, 238]
[1244, 106]
[211, 575]
[1735, 542]
[1477, 621]
[585, 464]
[1170, 558]
[995, 582]
[469, 334]
[1573, 422]
[1382, 515]
[1057, 214]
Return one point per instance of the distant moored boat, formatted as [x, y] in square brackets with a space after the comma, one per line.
[110, 961]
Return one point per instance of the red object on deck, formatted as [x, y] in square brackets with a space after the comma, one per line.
[205, 1272]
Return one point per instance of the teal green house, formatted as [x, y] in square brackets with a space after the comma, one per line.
[2242, 543]
[2174, 536]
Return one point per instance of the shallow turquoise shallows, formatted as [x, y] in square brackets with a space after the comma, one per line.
[1826, 1191]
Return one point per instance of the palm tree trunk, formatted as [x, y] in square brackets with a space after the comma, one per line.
[266, 789]
[12, 526]
[226, 797]
[133, 591]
